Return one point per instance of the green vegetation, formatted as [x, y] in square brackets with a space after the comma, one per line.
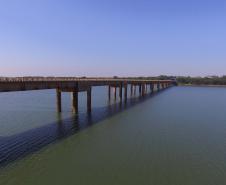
[211, 80]
[187, 80]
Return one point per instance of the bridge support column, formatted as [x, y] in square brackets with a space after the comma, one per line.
[134, 90]
[125, 92]
[131, 89]
[109, 92]
[120, 92]
[150, 87]
[58, 99]
[74, 96]
[140, 88]
[143, 89]
[115, 92]
[158, 86]
[89, 99]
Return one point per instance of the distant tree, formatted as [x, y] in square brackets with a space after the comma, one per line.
[210, 80]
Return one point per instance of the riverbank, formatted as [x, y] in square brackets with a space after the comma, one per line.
[202, 85]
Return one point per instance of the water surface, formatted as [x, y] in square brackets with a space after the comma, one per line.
[172, 138]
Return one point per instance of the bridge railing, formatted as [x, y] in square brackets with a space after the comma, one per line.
[44, 79]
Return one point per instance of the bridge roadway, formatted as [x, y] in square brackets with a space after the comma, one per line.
[76, 85]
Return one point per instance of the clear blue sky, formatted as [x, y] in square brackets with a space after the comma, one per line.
[112, 37]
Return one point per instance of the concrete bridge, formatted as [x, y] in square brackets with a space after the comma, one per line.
[76, 85]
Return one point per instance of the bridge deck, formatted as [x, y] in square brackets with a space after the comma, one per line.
[75, 85]
[81, 84]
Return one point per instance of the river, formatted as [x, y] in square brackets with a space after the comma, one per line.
[174, 137]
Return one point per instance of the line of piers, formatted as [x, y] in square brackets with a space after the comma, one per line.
[143, 88]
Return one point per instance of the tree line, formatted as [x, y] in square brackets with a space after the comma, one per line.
[187, 80]
[212, 80]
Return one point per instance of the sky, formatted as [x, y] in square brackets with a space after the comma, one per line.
[112, 37]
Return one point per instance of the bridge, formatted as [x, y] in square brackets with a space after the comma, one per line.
[76, 85]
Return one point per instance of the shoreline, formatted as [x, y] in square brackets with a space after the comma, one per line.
[202, 85]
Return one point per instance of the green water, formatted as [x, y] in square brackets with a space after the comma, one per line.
[177, 137]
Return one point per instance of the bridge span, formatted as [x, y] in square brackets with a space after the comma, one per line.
[76, 85]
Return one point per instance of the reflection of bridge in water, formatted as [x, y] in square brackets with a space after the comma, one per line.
[76, 85]
[20, 145]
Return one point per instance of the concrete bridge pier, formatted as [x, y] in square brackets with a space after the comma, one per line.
[120, 92]
[89, 99]
[151, 88]
[140, 89]
[58, 100]
[158, 86]
[143, 89]
[131, 90]
[109, 92]
[125, 92]
[74, 96]
[115, 92]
